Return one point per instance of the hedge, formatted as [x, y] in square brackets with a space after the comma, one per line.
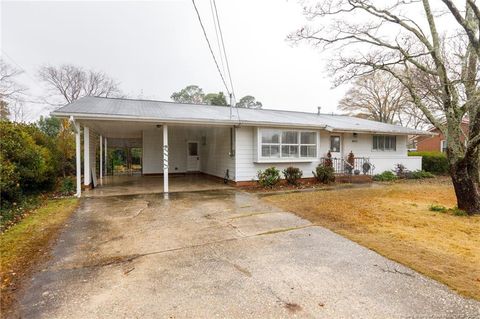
[433, 162]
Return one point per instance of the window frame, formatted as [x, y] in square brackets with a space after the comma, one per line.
[384, 143]
[281, 158]
[443, 148]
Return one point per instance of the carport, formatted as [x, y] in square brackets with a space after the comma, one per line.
[176, 153]
[174, 156]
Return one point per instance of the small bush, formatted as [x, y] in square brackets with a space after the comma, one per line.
[324, 174]
[269, 177]
[401, 170]
[386, 176]
[328, 161]
[438, 208]
[458, 212]
[420, 175]
[433, 162]
[67, 186]
[292, 175]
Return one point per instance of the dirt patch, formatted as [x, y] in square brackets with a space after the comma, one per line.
[293, 307]
[395, 221]
[28, 243]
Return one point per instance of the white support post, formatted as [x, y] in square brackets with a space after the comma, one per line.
[78, 159]
[106, 170]
[86, 156]
[101, 158]
[165, 158]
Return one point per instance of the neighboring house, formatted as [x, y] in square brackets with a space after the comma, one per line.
[217, 139]
[437, 142]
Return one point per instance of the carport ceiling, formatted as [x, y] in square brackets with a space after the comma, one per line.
[118, 129]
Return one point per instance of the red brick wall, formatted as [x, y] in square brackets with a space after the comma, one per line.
[432, 143]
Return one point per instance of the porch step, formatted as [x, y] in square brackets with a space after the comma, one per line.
[345, 178]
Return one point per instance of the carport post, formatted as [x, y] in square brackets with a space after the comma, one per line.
[106, 167]
[86, 156]
[101, 157]
[165, 158]
[78, 156]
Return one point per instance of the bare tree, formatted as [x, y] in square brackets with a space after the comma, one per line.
[68, 83]
[380, 97]
[369, 38]
[11, 92]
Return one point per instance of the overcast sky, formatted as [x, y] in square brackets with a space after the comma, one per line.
[154, 48]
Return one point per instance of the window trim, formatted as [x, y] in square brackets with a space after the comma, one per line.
[441, 146]
[267, 159]
[384, 150]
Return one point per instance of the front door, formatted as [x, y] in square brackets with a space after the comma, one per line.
[336, 145]
[193, 157]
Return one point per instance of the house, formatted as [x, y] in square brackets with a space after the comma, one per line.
[227, 142]
[436, 142]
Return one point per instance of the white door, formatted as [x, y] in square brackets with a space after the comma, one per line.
[193, 157]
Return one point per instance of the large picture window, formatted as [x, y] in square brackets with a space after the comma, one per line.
[288, 144]
[384, 143]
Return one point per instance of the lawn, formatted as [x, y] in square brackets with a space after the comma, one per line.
[26, 243]
[395, 220]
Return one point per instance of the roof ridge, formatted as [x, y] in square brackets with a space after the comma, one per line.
[246, 108]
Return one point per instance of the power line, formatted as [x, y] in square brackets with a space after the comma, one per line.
[210, 47]
[217, 37]
[224, 51]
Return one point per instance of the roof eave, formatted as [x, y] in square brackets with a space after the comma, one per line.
[236, 122]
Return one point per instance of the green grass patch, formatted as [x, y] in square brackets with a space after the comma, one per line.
[25, 243]
[438, 208]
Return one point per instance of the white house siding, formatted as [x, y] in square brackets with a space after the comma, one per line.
[214, 153]
[215, 156]
[177, 149]
[245, 157]
[247, 168]
[152, 152]
[383, 160]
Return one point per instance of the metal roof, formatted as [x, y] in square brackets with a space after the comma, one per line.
[92, 108]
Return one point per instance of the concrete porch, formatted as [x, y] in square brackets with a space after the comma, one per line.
[138, 184]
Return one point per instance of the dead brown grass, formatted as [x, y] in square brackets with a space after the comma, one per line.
[27, 243]
[395, 221]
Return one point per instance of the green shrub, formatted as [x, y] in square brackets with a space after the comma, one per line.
[292, 175]
[26, 162]
[433, 162]
[324, 174]
[438, 208]
[269, 177]
[457, 211]
[67, 186]
[385, 177]
[420, 174]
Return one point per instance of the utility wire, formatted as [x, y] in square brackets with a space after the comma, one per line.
[224, 51]
[210, 47]
[217, 37]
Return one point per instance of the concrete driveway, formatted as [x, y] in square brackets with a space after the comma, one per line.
[221, 254]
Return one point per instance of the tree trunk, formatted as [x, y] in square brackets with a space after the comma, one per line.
[466, 185]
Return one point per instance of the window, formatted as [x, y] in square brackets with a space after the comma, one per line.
[384, 143]
[443, 146]
[288, 144]
[335, 144]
